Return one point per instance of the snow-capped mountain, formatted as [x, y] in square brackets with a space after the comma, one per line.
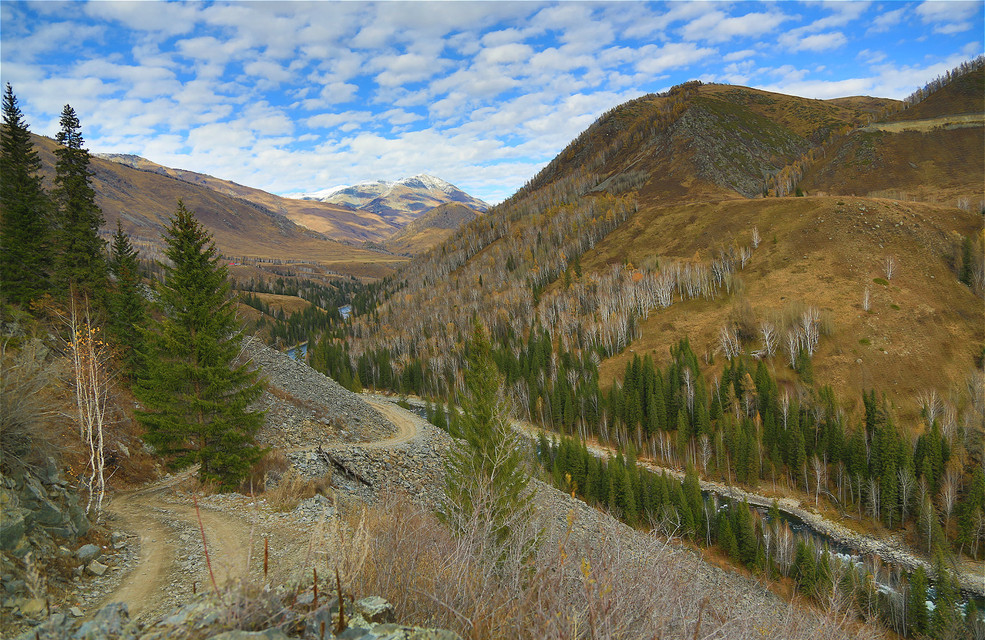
[400, 201]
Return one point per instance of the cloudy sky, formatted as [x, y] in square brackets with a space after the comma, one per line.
[294, 97]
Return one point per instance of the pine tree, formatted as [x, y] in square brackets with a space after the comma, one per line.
[127, 313]
[196, 396]
[485, 483]
[24, 250]
[79, 261]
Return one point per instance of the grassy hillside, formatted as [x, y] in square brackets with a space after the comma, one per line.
[923, 327]
[144, 201]
[930, 152]
[431, 228]
[699, 142]
[961, 95]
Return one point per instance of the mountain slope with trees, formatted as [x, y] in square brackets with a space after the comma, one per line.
[672, 233]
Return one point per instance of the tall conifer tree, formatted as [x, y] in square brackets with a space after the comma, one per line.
[24, 250]
[484, 478]
[196, 396]
[79, 259]
[126, 304]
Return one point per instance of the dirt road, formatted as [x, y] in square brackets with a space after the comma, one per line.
[171, 561]
[171, 558]
[944, 122]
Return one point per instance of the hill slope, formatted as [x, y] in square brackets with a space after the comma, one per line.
[341, 223]
[431, 228]
[144, 201]
[659, 188]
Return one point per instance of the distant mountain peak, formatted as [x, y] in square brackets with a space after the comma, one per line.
[399, 201]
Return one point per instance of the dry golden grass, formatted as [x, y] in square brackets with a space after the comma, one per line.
[292, 488]
[922, 329]
[289, 304]
[937, 166]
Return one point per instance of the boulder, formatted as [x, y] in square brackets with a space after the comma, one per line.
[88, 552]
[96, 568]
[269, 634]
[13, 525]
[109, 622]
[376, 610]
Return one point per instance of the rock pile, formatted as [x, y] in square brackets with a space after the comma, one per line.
[280, 614]
[415, 467]
[305, 407]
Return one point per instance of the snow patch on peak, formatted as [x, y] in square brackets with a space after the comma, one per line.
[317, 195]
[426, 181]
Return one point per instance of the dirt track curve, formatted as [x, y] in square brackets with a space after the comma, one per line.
[158, 517]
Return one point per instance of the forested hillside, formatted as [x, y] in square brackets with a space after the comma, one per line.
[827, 346]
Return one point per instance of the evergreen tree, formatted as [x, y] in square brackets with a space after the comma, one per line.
[196, 397]
[916, 605]
[484, 480]
[967, 259]
[79, 261]
[126, 304]
[24, 257]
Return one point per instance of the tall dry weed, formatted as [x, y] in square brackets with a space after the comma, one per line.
[605, 583]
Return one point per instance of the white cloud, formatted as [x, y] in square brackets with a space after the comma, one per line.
[329, 120]
[505, 54]
[398, 70]
[818, 42]
[717, 26]
[268, 70]
[738, 55]
[886, 21]
[657, 60]
[170, 18]
[948, 17]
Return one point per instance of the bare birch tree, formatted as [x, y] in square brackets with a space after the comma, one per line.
[820, 468]
[90, 362]
[728, 340]
[767, 331]
[889, 265]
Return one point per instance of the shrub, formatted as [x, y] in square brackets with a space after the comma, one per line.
[293, 488]
[26, 407]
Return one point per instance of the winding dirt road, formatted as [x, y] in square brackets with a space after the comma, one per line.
[168, 530]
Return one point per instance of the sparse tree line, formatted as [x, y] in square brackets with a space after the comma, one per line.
[943, 80]
[784, 182]
[763, 544]
[179, 356]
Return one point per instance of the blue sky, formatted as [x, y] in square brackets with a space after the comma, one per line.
[294, 97]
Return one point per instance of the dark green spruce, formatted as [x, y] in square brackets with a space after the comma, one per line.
[79, 260]
[24, 250]
[127, 307]
[196, 396]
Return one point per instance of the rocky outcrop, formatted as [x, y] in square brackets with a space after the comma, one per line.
[38, 505]
[279, 614]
